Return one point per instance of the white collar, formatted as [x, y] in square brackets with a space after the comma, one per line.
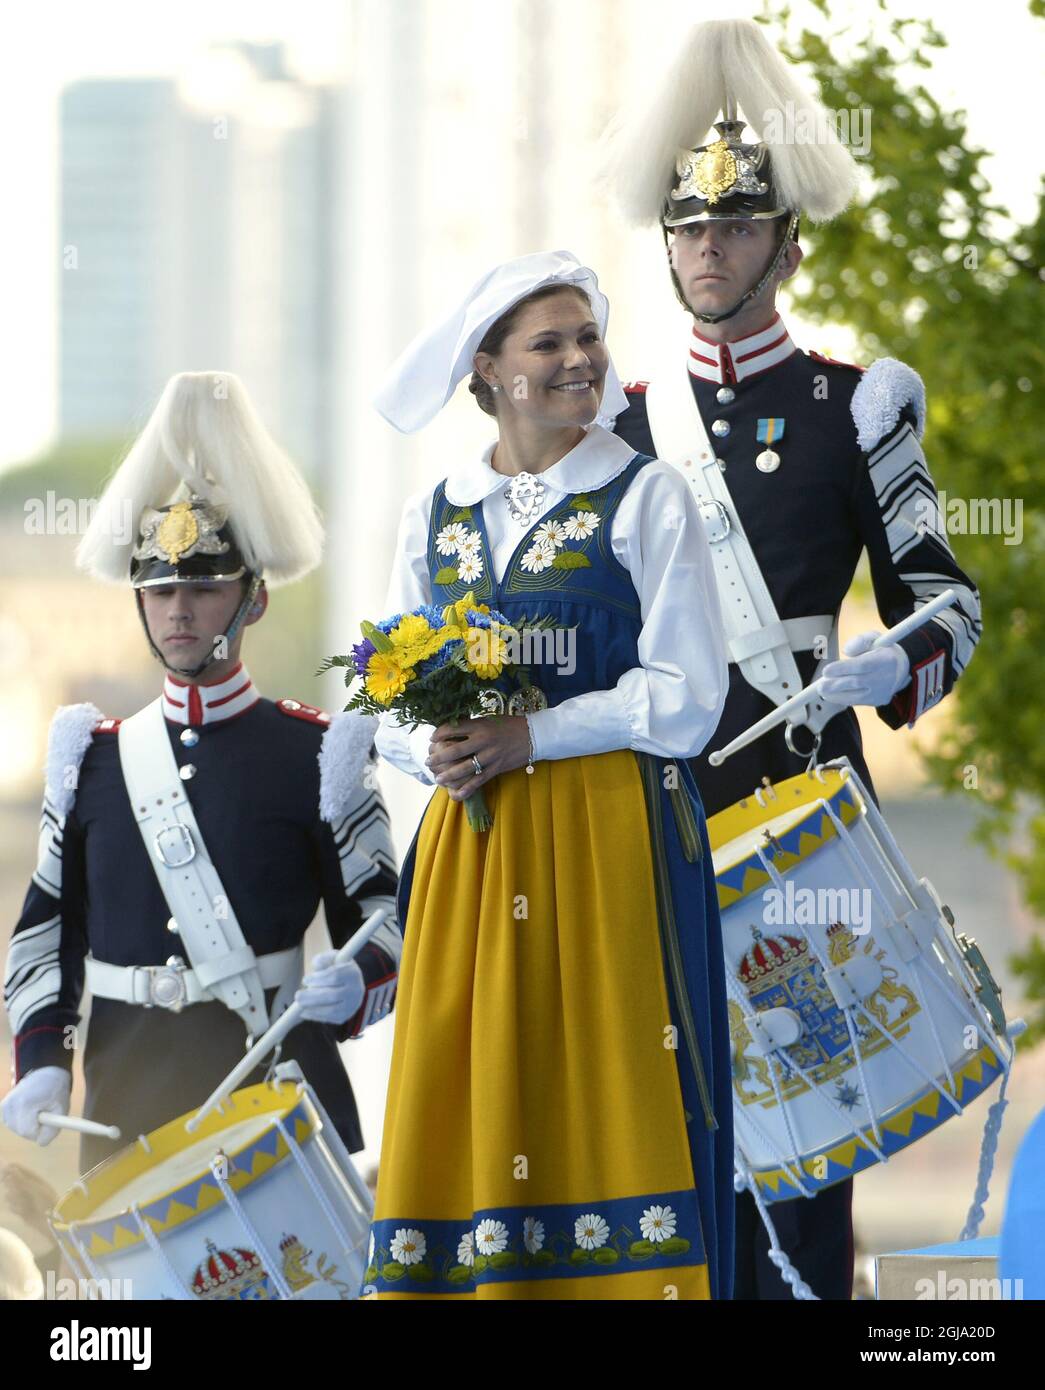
[726, 363]
[209, 704]
[595, 461]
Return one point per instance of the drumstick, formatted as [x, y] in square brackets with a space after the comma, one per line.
[780, 714]
[45, 1117]
[282, 1026]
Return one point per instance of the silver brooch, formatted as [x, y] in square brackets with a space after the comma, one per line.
[528, 700]
[524, 495]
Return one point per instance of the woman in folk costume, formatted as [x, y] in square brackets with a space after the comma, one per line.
[558, 1122]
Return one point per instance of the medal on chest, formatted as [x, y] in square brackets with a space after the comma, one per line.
[525, 496]
[769, 432]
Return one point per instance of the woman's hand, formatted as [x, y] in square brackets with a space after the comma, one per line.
[500, 742]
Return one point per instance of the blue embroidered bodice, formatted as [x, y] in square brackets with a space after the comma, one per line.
[564, 569]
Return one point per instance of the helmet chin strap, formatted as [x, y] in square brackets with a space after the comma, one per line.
[754, 291]
[228, 635]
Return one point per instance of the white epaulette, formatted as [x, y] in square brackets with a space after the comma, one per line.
[68, 740]
[343, 757]
[883, 390]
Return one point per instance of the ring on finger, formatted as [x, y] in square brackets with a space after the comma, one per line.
[477, 765]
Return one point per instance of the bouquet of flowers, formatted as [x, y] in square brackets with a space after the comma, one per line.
[435, 666]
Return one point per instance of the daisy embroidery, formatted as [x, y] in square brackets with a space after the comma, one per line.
[469, 566]
[657, 1223]
[408, 1246]
[466, 1249]
[591, 1231]
[470, 541]
[490, 1237]
[581, 525]
[533, 1234]
[539, 557]
[550, 533]
[449, 539]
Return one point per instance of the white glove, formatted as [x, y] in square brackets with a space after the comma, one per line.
[868, 677]
[331, 993]
[44, 1088]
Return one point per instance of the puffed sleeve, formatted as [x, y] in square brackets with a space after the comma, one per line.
[408, 587]
[671, 703]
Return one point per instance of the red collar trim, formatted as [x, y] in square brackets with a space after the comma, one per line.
[729, 363]
[209, 704]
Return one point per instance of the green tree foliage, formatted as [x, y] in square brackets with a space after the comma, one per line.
[928, 268]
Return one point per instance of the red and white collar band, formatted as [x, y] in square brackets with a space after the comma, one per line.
[209, 704]
[727, 363]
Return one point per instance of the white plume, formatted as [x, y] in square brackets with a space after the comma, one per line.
[728, 60]
[206, 437]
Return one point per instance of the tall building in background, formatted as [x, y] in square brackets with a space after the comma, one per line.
[196, 233]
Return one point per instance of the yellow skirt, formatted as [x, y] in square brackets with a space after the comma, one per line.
[535, 1139]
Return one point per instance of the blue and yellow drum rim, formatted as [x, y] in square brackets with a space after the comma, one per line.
[746, 874]
[247, 1164]
[900, 1127]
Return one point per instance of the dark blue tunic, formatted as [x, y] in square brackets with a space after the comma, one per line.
[256, 799]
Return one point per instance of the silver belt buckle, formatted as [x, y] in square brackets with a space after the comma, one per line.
[167, 988]
[170, 838]
[717, 524]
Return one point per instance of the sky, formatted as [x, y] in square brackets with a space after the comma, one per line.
[989, 68]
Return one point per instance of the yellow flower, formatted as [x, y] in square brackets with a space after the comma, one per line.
[487, 652]
[386, 677]
[414, 641]
[455, 613]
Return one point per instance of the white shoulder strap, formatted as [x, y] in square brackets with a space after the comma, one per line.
[218, 952]
[758, 641]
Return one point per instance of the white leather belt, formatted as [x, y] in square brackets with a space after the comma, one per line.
[800, 634]
[174, 986]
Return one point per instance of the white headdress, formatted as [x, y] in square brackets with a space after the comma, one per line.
[425, 376]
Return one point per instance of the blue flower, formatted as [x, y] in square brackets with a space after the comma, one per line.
[477, 619]
[387, 624]
[440, 659]
[361, 654]
[433, 616]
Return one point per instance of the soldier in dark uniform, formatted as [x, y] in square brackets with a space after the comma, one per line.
[820, 461]
[282, 796]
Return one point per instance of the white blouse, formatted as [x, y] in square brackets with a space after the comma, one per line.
[669, 705]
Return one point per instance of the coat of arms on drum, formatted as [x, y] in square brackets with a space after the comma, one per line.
[783, 972]
[235, 1273]
[239, 1274]
[297, 1274]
